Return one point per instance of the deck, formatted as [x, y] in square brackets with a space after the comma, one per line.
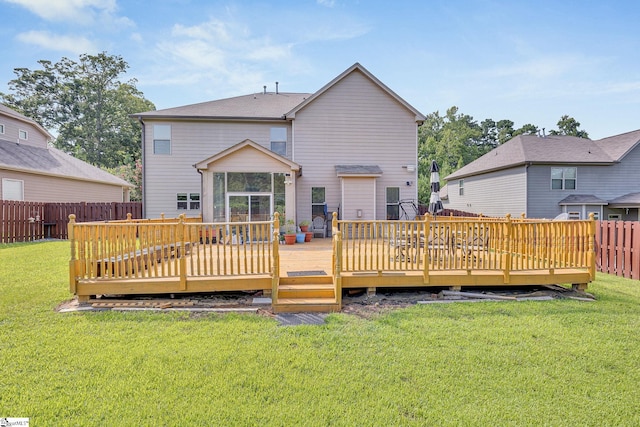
[179, 257]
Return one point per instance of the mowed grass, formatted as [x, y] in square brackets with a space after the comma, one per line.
[560, 363]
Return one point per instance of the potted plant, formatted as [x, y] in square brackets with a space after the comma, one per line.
[304, 226]
[290, 232]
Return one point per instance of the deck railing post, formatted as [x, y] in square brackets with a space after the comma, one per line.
[275, 268]
[73, 278]
[181, 252]
[506, 254]
[427, 233]
[337, 277]
[592, 250]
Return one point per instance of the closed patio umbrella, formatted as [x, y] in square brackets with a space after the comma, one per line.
[435, 204]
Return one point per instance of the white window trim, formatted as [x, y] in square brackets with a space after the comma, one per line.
[1, 129]
[564, 180]
[26, 134]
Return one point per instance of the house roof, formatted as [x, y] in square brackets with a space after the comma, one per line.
[357, 67]
[17, 116]
[358, 170]
[204, 164]
[582, 199]
[53, 162]
[264, 105]
[552, 149]
[258, 106]
[627, 200]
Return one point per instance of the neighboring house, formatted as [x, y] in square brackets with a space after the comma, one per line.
[349, 147]
[543, 177]
[31, 170]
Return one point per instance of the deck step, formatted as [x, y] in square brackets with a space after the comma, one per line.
[307, 290]
[302, 305]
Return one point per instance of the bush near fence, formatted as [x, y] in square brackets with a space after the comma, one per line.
[28, 221]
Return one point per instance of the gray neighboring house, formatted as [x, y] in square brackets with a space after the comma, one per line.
[33, 171]
[350, 147]
[543, 177]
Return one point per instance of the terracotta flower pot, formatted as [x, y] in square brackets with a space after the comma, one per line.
[289, 239]
[304, 228]
[308, 235]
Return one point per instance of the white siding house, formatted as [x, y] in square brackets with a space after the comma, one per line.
[305, 154]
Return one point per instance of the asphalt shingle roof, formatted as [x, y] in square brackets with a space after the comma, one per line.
[551, 150]
[51, 161]
[258, 106]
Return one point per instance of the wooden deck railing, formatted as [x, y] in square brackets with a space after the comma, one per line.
[180, 255]
[456, 243]
[170, 248]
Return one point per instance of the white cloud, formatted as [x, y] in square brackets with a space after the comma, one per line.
[57, 42]
[84, 12]
[327, 3]
[217, 53]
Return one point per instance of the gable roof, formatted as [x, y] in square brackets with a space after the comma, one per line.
[552, 149]
[53, 162]
[356, 67]
[258, 106]
[4, 110]
[264, 105]
[204, 164]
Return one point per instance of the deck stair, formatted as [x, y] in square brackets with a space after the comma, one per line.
[302, 294]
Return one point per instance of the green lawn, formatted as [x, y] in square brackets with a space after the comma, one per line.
[561, 362]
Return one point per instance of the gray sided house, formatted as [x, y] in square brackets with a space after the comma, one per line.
[349, 147]
[543, 177]
[33, 171]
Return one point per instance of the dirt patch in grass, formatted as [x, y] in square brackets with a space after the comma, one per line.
[356, 302]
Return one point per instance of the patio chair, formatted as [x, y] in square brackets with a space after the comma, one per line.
[319, 226]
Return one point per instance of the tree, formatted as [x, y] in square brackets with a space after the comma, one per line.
[85, 104]
[569, 126]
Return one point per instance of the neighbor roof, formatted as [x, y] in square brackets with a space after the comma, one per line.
[582, 199]
[51, 161]
[258, 106]
[627, 200]
[552, 149]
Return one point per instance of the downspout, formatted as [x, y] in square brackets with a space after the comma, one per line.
[201, 193]
[144, 169]
[526, 188]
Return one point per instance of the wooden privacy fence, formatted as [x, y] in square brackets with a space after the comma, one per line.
[618, 248]
[28, 221]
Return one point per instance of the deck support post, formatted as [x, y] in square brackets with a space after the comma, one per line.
[371, 292]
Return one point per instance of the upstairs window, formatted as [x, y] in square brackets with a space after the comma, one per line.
[461, 187]
[22, 134]
[161, 139]
[563, 178]
[1, 129]
[279, 141]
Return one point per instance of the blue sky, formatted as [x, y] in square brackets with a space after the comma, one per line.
[527, 61]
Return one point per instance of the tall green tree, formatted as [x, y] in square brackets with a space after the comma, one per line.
[85, 104]
[569, 126]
